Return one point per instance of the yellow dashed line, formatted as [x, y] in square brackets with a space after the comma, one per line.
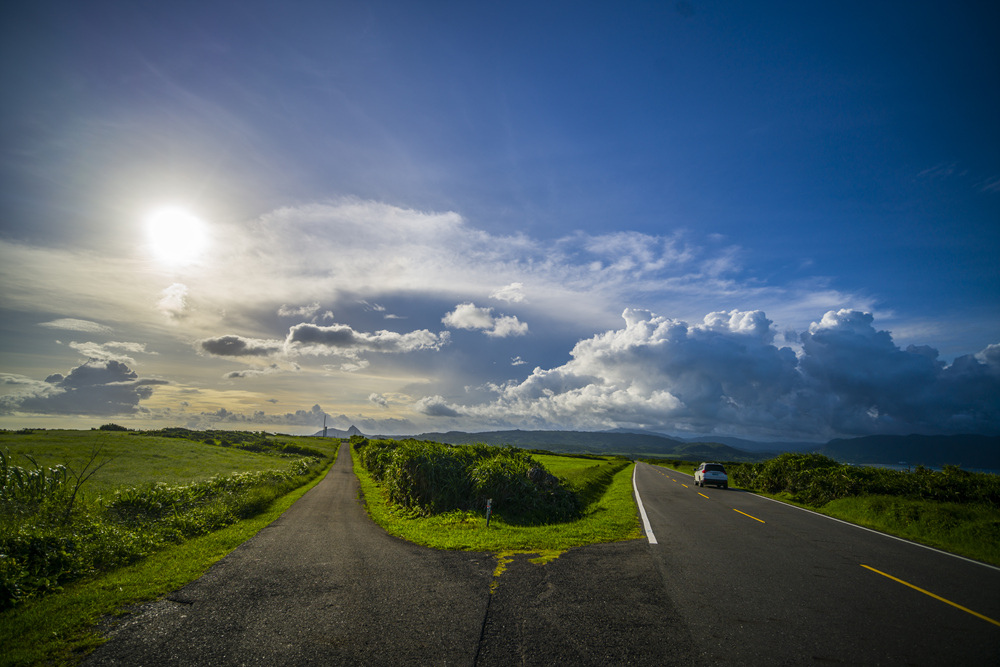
[752, 517]
[936, 597]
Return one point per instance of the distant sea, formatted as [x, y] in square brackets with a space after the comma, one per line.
[910, 466]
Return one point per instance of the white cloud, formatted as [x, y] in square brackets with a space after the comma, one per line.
[73, 324]
[341, 339]
[469, 316]
[174, 301]
[725, 374]
[379, 400]
[299, 311]
[512, 293]
[112, 350]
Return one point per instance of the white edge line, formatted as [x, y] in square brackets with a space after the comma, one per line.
[878, 532]
[848, 523]
[642, 510]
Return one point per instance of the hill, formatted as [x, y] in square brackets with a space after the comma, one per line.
[590, 442]
[337, 433]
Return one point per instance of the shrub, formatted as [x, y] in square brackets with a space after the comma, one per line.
[433, 478]
[817, 480]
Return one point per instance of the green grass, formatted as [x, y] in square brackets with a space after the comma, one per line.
[972, 531]
[59, 628]
[141, 459]
[611, 517]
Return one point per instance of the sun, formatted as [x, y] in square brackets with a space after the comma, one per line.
[176, 236]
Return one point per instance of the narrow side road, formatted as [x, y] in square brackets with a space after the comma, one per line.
[321, 585]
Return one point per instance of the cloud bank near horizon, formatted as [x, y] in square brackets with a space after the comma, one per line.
[725, 375]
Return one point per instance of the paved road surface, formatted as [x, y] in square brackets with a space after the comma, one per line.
[323, 585]
[760, 582]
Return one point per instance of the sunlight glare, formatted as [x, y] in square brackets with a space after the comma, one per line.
[176, 236]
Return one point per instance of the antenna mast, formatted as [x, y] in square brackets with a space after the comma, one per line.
[324, 425]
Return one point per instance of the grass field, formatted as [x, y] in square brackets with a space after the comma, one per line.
[140, 459]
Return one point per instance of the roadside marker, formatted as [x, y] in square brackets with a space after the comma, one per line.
[642, 510]
[936, 597]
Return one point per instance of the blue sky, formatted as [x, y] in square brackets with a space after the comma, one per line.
[759, 219]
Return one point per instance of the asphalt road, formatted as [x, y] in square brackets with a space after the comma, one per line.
[324, 585]
[757, 582]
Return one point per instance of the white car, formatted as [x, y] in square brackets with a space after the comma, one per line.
[711, 473]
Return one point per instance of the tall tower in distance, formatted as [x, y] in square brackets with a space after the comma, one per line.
[324, 425]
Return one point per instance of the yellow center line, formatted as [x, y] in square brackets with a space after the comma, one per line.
[752, 517]
[685, 485]
[936, 597]
[702, 494]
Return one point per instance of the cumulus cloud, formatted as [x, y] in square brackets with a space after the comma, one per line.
[859, 381]
[96, 388]
[436, 406]
[341, 339]
[379, 400]
[512, 293]
[238, 346]
[73, 324]
[726, 374]
[469, 316]
[312, 417]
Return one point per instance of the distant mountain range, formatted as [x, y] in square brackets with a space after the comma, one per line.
[604, 442]
[967, 451]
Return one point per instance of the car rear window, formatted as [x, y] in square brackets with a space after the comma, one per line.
[715, 467]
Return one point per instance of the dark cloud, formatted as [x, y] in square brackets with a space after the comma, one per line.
[100, 388]
[238, 346]
[312, 417]
[435, 406]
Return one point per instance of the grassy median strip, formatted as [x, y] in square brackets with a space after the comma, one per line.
[607, 513]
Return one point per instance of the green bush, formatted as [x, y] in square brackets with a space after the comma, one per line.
[816, 480]
[432, 478]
